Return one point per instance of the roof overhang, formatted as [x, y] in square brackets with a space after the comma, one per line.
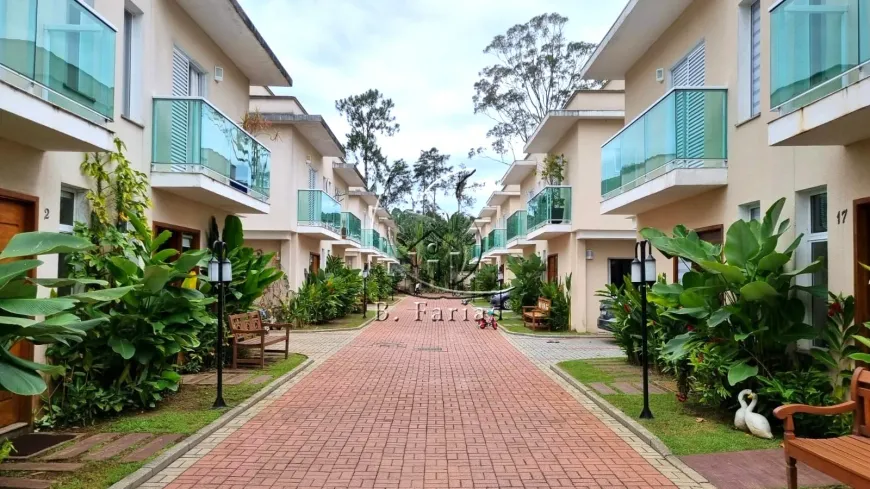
[639, 25]
[554, 126]
[500, 196]
[227, 24]
[606, 234]
[382, 213]
[349, 173]
[488, 211]
[389, 222]
[313, 128]
[518, 171]
[482, 220]
[369, 198]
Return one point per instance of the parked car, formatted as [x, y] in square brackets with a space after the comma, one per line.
[501, 300]
[605, 319]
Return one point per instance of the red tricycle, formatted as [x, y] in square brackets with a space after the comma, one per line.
[487, 319]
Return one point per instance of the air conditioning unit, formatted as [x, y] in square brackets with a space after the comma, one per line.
[660, 75]
[218, 73]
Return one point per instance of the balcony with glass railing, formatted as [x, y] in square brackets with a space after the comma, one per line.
[351, 227]
[318, 215]
[495, 242]
[677, 148]
[371, 240]
[517, 224]
[201, 154]
[473, 252]
[819, 48]
[59, 52]
[548, 213]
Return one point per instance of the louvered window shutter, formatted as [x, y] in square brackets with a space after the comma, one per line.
[178, 147]
[689, 106]
[756, 58]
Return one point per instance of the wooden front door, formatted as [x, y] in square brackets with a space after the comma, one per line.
[16, 215]
[862, 255]
[552, 268]
[183, 239]
[313, 263]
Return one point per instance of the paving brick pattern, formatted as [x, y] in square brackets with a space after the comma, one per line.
[753, 469]
[476, 414]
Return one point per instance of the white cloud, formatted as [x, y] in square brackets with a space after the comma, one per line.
[424, 54]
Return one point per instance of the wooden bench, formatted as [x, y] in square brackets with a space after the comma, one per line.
[846, 458]
[534, 317]
[248, 332]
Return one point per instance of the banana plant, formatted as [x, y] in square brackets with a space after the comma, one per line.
[739, 296]
[41, 320]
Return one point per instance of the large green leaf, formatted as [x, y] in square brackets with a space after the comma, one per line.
[37, 307]
[811, 268]
[771, 217]
[692, 299]
[758, 290]
[729, 272]
[20, 381]
[122, 347]
[861, 357]
[678, 346]
[820, 291]
[43, 243]
[156, 277]
[718, 317]
[18, 289]
[104, 295]
[14, 269]
[160, 239]
[740, 372]
[862, 339]
[189, 259]
[740, 244]
[163, 255]
[773, 262]
[66, 282]
[695, 312]
[233, 234]
[664, 289]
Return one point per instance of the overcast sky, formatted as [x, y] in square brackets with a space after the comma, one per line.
[424, 54]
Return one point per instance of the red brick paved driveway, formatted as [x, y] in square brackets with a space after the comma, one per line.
[390, 410]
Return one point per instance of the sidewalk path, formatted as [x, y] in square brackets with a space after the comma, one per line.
[422, 404]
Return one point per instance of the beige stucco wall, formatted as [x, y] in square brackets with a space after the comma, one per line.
[757, 172]
[605, 99]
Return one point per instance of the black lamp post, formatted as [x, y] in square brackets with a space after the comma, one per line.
[220, 272]
[365, 275]
[643, 273]
[500, 287]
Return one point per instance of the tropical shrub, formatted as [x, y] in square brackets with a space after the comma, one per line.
[526, 284]
[560, 303]
[810, 386]
[19, 304]
[839, 351]
[745, 304]
[328, 294]
[252, 272]
[486, 278]
[128, 360]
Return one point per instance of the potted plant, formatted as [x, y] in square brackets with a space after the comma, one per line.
[553, 173]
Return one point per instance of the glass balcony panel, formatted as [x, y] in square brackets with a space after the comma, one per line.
[317, 208]
[813, 42]
[552, 205]
[685, 129]
[190, 132]
[516, 226]
[64, 47]
[351, 226]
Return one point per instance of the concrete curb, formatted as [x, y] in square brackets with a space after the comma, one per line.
[632, 425]
[153, 467]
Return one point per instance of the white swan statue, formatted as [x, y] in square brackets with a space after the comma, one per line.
[757, 424]
[740, 415]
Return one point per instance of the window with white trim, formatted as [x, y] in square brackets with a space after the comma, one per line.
[751, 211]
[72, 209]
[132, 67]
[812, 217]
[749, 59]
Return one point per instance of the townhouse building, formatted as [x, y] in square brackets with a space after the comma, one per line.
[560, 220]
[733, 104]
[170, 78]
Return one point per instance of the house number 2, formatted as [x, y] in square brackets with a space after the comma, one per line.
[47, 213]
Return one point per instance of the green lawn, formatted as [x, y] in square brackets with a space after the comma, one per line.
[350, 321]
[185, 412]
[685, 428]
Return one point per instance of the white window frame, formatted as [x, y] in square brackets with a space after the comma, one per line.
[746, 111]
[78, 204]
[803, 254]
[131, 106]
[745, 212]
[684, 59]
